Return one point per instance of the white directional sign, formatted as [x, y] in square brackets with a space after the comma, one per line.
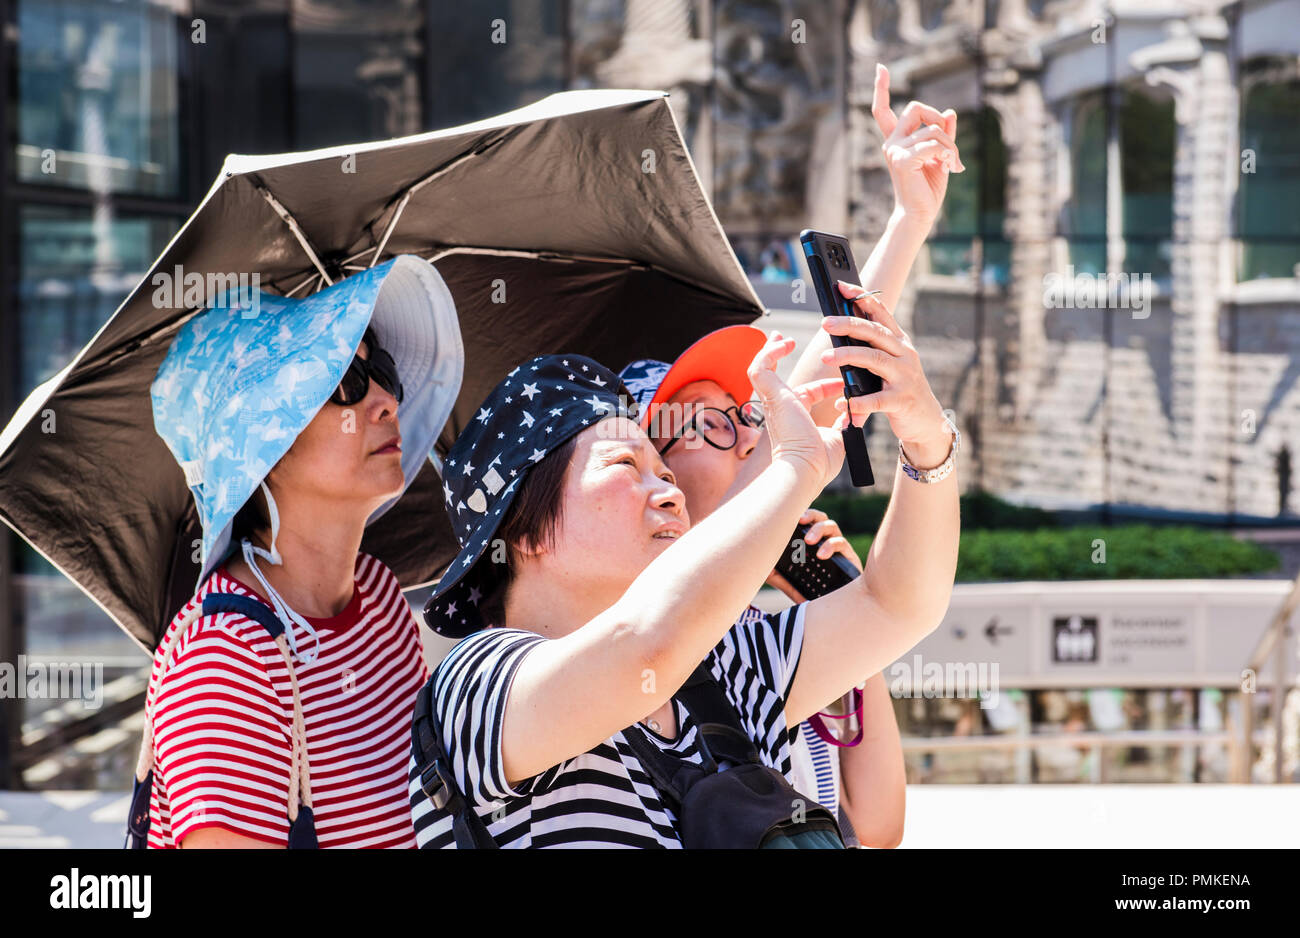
[1098, 633]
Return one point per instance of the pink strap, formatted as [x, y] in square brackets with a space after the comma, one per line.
[819, 727]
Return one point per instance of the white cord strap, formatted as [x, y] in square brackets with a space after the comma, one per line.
[145, 761]
[300, 770]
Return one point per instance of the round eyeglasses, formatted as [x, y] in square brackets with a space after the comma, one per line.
[717, 427]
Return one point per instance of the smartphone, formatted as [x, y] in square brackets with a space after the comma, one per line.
[811, 576]
[830, 259]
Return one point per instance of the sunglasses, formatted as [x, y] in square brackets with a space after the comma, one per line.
[356, 380]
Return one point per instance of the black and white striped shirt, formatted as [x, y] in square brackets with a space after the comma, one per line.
[601, 798]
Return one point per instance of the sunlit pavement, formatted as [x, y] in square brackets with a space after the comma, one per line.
[53, 819]
[1191, 816]
[1068, 816]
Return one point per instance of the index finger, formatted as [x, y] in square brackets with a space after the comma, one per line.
[916, 114]
[814, 392]
[812, 516]
[762, 370]
[871, 308]
[886, 119]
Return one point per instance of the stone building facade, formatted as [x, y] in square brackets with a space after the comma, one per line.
[1188, 403]
[1146, 143]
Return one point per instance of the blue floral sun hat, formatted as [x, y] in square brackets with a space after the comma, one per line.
[244, 377]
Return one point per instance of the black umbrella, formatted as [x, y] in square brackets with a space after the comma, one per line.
[575, 224]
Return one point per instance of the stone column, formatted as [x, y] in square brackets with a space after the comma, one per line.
[1204, 110]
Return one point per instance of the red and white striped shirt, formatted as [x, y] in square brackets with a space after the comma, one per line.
[223, 717]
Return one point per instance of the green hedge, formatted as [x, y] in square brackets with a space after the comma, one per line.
[1132, 551]
[861, 514]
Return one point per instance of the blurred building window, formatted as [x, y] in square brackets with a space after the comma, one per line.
[1268, 207]
[1147, 134]
[932, 13]
[480, 69]
[974, 209]
[76, 264]
[242, 79]
[992, 10]
[357, 67]
[97, 96]
[1143, 137]
[884, 20]
[1085, 211]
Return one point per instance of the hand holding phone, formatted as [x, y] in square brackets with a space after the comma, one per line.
[809, 574]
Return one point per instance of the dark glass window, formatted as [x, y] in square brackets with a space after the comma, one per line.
[97, 96]
[884, 20]
[1269, 197]
[1146, 137]
[932, 12]
[976, 203]
[471, 76]
[1085, 214]
[242, 75]
[356, 68]
[75, 266]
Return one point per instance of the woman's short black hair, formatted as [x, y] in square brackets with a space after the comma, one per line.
[532, 518]
[252, 519]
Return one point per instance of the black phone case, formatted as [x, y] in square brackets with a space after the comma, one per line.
[829, 259]
[814, 577]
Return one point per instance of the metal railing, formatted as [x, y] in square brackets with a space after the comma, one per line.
[1271, 643]
[1094, 741]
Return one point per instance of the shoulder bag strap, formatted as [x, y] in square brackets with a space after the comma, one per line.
[436, 779]
[716, 717]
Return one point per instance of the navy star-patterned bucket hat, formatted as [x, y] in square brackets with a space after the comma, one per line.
[533, 410]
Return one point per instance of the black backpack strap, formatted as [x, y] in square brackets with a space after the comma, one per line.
[246, 606]
[717, 718]
[671, 776]
[720, 735]
[436, 779]
[137, 821]
[302, 829]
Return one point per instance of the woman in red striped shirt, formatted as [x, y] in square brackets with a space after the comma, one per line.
[225, 697]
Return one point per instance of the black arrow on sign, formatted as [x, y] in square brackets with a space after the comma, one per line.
[993, 630]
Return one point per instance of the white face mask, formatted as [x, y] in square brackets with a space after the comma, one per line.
[287, 615]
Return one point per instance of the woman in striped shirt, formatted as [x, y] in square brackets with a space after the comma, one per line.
[588, 598]
[289, 419]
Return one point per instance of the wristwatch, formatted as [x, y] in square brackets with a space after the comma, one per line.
[939, 472]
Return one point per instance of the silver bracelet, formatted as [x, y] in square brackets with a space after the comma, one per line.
[939, 472]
